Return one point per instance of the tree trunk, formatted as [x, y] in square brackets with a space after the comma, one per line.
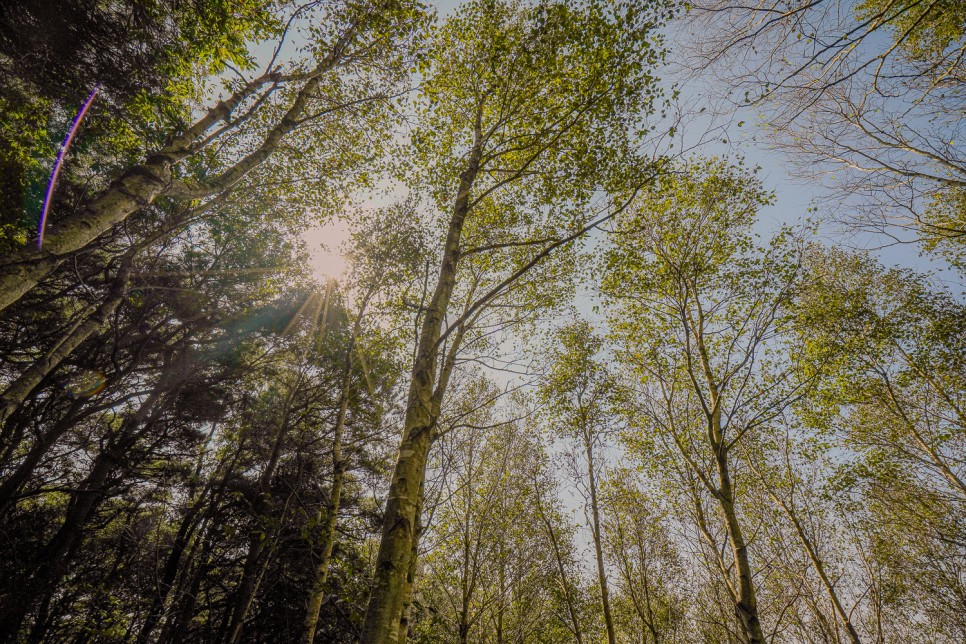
[187, 529]
[650, 622]
[255, 565]
[746, 606]
[816, 562]
[387, 596]
[328, 542]
[598, 542]
[335, 495]
[18, 391]
[184, 599]
[404, 619]
[259, 554]
[558, 558]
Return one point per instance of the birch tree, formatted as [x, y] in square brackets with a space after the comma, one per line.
[894, 400]
[357, 58]
[520, 167]
[865, 96]
[576, 392]
[698, 307]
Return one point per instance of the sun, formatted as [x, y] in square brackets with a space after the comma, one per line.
[324, 244]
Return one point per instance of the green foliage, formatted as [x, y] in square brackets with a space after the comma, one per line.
[923, 31]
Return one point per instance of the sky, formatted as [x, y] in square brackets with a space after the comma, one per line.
[794, 194]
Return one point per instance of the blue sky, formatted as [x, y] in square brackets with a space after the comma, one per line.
[794, 194]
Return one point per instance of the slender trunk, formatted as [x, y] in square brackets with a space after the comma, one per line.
[643, 609]
[258, 552]
[650, 622]
[193, 527]
[746, 606]
[503, 593]
[381, 625]
[466, 586]
[328, 542]
[18, 391]
[328, 538]
[255, 565]
[317, 594]
[404, 619]
[561, 569]
[187, 529]
[187, 593]
[261, 551]
[598, 541]
[816, 564]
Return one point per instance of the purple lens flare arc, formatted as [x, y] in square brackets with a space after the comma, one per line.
[60, 161]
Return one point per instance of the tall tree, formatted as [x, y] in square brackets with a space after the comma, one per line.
[894, 402]
[698, 309]
[867, 96]
[360, 55]
[518, 168]
[576, 391]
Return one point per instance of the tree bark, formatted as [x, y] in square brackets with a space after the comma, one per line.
[405, 618]
[746, 605]
[387, 596]
[598, 542]
[18, 391]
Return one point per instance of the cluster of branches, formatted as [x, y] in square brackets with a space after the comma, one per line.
[865, 96]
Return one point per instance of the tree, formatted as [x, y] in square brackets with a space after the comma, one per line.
[143, 57]
[355, 64]
[650, 570]
[576, 393]
[520, 168]
[697, 311]
[490, 573]
[383, 253]
[893, 401]
[864, 94]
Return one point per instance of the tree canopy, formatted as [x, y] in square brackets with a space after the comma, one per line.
[574, 384]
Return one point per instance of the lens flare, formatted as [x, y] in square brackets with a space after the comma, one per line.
[85, 384]
[60, 161]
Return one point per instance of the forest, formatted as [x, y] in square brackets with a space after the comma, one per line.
[643, 322]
